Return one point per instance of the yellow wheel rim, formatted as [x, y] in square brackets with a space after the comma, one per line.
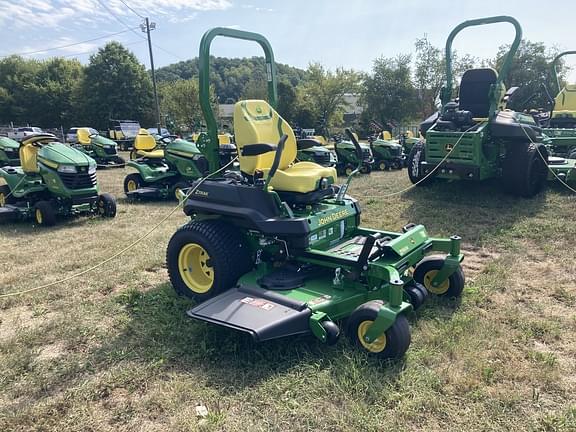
[131, 186]
[348, 171]
[2, 199]
[38, 215]
[382, 166]
[177, 192]
[375, 347]
[194, 269]
[438, 290]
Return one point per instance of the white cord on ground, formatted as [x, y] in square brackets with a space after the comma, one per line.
[430, 173]
[131, 245]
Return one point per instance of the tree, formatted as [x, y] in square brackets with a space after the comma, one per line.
[180, 101]
[116, 85]
[287, 101]
[531, 67]
[389, 94]
[324, 91]
[430, 73]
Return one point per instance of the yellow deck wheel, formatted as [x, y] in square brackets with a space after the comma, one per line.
[377, 345]
[38, 216]
[2, 199]
[438, 290]
[194, 268]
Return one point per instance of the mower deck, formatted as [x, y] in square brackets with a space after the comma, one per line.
[146, 193]
[565, 169]
[10, 212]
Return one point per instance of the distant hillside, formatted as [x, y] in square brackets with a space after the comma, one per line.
[230, 76]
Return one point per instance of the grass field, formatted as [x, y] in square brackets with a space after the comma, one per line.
[114, 350]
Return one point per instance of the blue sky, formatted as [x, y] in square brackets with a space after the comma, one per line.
[333, 32]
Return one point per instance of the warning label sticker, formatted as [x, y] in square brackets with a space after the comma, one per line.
[259, 303]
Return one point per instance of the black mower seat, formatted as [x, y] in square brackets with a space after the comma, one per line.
[475, 89]
[255, 121]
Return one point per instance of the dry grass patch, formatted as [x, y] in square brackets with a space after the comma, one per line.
[114, 350]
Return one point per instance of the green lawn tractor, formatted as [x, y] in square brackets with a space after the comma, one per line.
[348, 157]
[310, 149]
[475, 137]
[53, 180]
[388, 154]
[103, 150]
[9, 152]
[561, 126]
[407, 141]
[163, 172]
[123, 132]
[277, 249]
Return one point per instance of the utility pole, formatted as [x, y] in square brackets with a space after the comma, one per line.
[146, 27]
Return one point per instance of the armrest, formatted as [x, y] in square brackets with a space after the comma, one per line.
[306, 143]
[257, 149]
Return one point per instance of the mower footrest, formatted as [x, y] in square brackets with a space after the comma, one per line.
[9, 213]
[263, 314]
[145, 192]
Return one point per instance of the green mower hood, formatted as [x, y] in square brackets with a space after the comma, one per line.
[8, 143]
[60, 154]
[101, 140]
[183, 146]
[385, 143]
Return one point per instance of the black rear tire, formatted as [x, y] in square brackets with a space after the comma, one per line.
[45, 213]
[572, 154]
[417, 294]
[414, 165]
[106, 205]
[525, 169]
[226, 258]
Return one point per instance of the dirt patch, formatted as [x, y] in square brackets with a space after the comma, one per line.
[52, 351]
[20, 318]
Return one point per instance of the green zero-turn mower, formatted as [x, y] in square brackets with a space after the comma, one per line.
[491, 141]
[348, 157]
[163, 172]
[53, 180]
[276, 249]
[388, 154]
[9, 152]
[103, 150]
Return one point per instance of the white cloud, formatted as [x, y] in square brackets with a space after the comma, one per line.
[64, 13]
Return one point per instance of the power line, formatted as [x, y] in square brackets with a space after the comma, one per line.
[68, 45]
[119, 20]
[93, 51]
[125, 4]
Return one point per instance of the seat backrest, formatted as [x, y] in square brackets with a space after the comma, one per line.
[409, 134]
[475, 91]
[29, 158]
[387, 136]
[83, 135]
[144, 142]
[224, 139]
[256, 122]
[566, 99]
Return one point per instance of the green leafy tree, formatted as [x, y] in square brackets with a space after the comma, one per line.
[530, 69]
[430, 73]
[116, 85]
[287, 101]
[324, 91]
[389, 94]
[179, 100]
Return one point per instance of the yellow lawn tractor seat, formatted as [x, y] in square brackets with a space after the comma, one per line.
[29, 158]
[83, 135]
[564, 114]
[145, 146]
[386, 136]
[256, 122]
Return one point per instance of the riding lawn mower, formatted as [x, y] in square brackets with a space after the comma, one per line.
[476, 138]
[53, 180]
[277, 249]
[9, 152]
[103, 150]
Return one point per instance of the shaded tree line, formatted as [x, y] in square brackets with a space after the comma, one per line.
[114, 84]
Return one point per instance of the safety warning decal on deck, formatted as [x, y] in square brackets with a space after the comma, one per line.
[259, 303]
[319, 300]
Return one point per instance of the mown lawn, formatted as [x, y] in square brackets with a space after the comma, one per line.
[114, 350]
